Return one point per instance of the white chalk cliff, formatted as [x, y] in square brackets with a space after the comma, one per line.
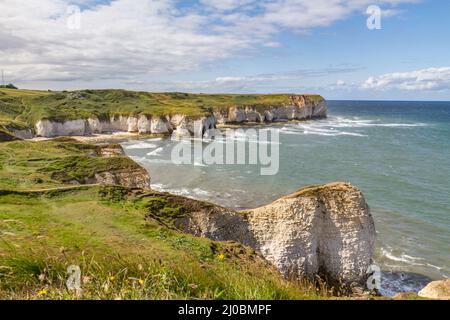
[300, 108]
[324, 230]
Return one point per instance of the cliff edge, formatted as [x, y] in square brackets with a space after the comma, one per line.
[323, 230]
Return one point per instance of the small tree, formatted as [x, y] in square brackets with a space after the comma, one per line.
[8, 86]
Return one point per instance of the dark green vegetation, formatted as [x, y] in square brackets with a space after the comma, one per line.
[8, 86]
[123, 240]
[23, 108]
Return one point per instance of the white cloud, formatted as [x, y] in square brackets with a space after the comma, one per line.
[226, 5]
[127, 39]
[252, 79]
[426, 79]
[305, 14]
[272, 44]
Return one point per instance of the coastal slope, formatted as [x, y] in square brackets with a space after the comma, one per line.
[323, 230]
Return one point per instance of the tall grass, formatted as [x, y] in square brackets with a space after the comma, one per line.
[44, 276]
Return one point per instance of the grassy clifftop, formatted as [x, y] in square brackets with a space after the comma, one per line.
[117, 236]
[22, 108]
[28, 165]
[122, 255]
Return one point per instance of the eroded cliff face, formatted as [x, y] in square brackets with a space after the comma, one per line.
[47, 128]
[130, 177]
[325, 230]
[22, 133]
[300, 108]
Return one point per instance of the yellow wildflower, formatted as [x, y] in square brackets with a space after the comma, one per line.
[221, 257]
[112, 278]
[141, 282]
[42, 292]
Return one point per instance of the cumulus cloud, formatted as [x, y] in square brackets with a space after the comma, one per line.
[126, 39]
[226, 5]
[425, 79]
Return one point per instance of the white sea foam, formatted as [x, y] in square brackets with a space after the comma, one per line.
[158, 186]
[246, 140]
[138, 159]
[191, 193]
[341, 122]
[140, 145]
[200, 192]
[155, 152]
[318, 130]
[333, 126]
[402, 258]
[154, 139]
[435, 267]
[395, 282]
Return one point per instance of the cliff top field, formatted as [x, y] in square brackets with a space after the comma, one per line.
[47, 224]
[23, 108]
[27, 165]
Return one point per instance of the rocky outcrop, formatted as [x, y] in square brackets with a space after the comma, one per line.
[301, 107]
[133, 176]
[130, 178]
[160, 125]
[22, 133]
[325, 230]
[436, 290]
[111, 150]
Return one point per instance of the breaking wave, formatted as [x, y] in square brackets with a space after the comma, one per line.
[155, 152]
[341, 126]
[139, 145]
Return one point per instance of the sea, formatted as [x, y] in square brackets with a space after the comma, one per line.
[396, 152]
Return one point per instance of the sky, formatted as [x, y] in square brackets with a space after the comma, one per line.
[331, 47]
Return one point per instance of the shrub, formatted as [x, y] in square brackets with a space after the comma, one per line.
[8, 86]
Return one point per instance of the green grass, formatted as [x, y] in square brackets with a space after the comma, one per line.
[23, 108]
[26, 165]
[121, 253]
[124, 241]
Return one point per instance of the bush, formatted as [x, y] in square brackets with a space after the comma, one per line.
[8, 86]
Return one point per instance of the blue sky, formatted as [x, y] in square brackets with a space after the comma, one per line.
[230, 46]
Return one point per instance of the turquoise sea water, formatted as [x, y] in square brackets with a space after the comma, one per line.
[397, 153]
